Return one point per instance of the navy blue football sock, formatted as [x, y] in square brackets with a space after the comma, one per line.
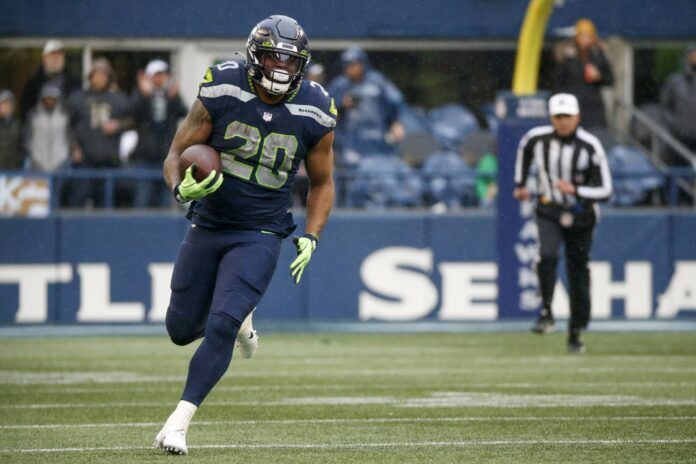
[212, 358]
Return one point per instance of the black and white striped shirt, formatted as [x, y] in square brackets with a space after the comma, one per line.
[579, 159]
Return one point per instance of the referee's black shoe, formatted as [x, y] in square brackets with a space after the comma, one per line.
[545, 323]
[575, 345]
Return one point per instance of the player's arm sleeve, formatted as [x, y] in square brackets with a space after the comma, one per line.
[215, 93]
[324, 114]
[337, 90]
[599, 186]
[525, 153]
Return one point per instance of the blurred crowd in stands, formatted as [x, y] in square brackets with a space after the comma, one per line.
[389, 154]
[60, 124]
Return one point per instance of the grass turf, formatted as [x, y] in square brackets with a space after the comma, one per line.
[345, 398]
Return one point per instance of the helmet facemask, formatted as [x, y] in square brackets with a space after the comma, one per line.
[279, 70]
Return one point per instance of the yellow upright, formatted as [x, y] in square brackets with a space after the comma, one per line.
[525, 77]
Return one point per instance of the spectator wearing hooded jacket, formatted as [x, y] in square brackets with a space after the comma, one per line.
[678, 101]
[98, 116]
[47, 132]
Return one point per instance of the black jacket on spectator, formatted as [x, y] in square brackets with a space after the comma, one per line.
[156, 117]
[570, 78]
[88, 110]
[11, 153]
[30, 94]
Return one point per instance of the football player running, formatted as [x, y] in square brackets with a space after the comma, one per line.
[264, 119]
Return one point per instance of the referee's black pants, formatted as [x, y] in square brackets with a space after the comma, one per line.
[578, 242]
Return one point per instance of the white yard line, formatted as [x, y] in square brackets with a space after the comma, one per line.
[117, 377]
[379, 420]
[438, 399]
[82, 405]
[371, 445]
[370, 386]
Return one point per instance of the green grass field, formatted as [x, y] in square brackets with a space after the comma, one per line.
[347, 398]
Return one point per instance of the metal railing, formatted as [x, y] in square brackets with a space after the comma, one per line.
[110, 177]
[672, 180]
[660, 139]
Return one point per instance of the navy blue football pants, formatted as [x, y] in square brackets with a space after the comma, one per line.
[219, 277]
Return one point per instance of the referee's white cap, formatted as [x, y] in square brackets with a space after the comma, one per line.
[563, 103]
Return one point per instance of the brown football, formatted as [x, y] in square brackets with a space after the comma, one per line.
[205, 157]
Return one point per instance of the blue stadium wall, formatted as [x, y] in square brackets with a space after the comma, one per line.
[116, 268]
[334, 19]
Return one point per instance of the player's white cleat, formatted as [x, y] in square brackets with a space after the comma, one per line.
[171, 441]
[247, 338]
[172, 437]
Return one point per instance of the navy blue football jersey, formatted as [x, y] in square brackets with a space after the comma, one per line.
[261, 147]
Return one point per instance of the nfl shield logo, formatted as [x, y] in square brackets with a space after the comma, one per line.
[267, 116]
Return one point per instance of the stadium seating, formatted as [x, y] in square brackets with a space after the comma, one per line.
[415, 120]
[383, 181]
[634, 177]
[449, 181]
[450, 124]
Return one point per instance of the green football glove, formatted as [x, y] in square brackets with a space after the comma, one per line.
[305, 247]
[190, 189]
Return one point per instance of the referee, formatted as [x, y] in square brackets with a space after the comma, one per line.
[572, 174]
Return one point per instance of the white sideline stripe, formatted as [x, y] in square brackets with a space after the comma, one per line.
[372, 445]
[372, 420]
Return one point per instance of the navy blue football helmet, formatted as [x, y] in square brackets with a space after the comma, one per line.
[277, 54]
